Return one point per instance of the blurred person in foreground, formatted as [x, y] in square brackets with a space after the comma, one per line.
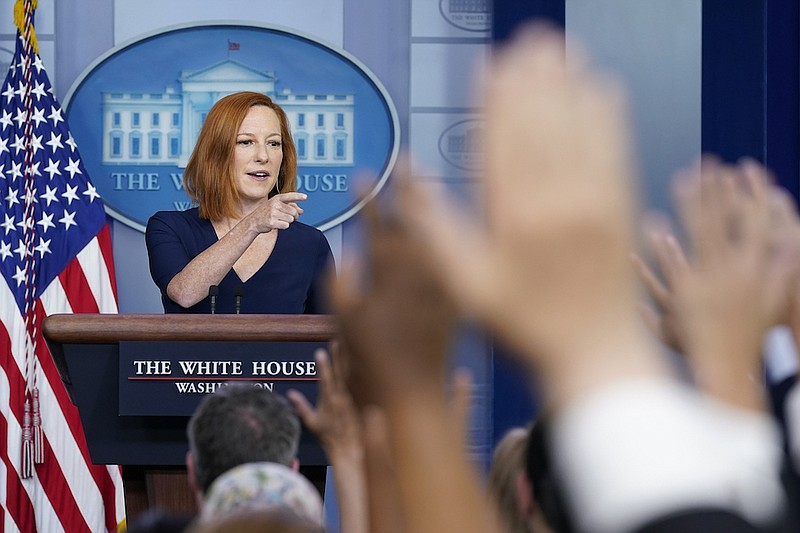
[634, 447]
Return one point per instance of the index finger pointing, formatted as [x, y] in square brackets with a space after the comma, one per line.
[289, 197]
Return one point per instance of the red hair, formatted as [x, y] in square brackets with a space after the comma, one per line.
[208, 177]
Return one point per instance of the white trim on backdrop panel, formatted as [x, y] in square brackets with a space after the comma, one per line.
[656, 48]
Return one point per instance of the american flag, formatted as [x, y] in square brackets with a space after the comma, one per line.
[55, 257]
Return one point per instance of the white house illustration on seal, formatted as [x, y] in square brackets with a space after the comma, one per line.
[161, 128]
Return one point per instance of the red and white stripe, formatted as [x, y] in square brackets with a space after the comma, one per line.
[67, 493]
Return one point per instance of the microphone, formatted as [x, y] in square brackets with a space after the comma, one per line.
[238, 298]
[213, 292]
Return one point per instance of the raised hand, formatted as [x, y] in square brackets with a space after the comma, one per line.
[785, 238]
[397, 324]
[736, 282]
[549, 269]
[336, 423]
[334, 420]
[396, 321]
[661, 316]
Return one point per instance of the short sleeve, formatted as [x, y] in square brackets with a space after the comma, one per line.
[165, 249]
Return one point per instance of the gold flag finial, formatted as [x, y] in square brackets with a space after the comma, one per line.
[22, 22]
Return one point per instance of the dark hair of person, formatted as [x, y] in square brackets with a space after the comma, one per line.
[241, 423]
[547, 489]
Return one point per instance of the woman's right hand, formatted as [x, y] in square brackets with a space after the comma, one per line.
[277, 212]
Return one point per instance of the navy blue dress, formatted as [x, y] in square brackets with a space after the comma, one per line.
[290, 282]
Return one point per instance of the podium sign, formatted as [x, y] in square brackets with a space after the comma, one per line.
[171, 378]
[143, 421]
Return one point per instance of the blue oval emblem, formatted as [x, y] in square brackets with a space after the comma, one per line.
[136, 112]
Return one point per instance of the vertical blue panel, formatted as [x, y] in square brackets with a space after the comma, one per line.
[508, 14]
[655, 49]
[783, 86]
[751, 84]
[515, 402]
[733, 78]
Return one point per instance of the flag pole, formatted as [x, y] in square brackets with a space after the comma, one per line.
[32, 446]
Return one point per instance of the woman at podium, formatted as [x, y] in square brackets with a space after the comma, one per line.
[241, 248]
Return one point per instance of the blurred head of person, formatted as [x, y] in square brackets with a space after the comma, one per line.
[263, 487]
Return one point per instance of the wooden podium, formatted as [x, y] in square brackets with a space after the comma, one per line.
[150, 445]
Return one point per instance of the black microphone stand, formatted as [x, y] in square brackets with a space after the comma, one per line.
[213, 292]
